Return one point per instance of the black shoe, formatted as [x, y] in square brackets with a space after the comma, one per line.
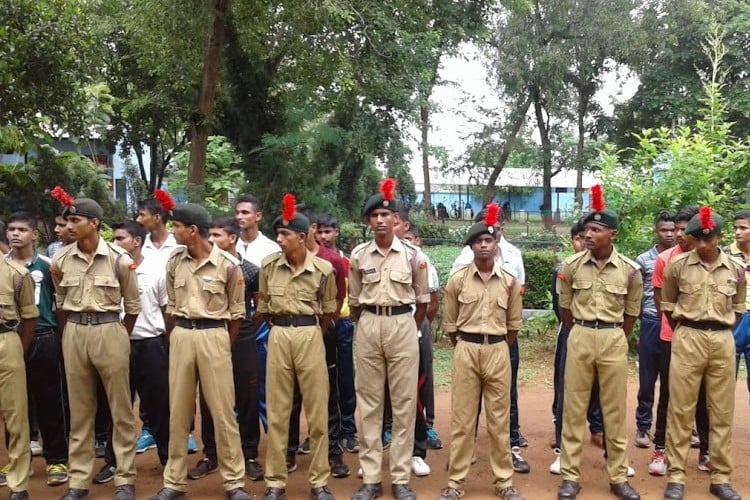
[522, 442]
[253, 470]
[238, 494]
[125, 492]
[368, 492]
[203, 468]
[403, 492]
[519, 464]
[350, 443]
[624, 491]
[338, 468]
[674, 491]
[568, 489]
[274, 494]
[18, 495]
[75, 494]
[291, 464]
[168, 494]
[724, 491]
[99, 446]
[321, 493]
[105, 474]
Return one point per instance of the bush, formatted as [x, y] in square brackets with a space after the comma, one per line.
[538, 266]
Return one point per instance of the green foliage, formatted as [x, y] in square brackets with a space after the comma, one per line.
[538, 266]
[442, 258]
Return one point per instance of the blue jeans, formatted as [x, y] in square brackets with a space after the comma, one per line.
[649, 353]
[742, 344]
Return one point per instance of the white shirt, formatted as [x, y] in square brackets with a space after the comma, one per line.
[258, 249]
[509, 256]
[152, 286]
[161, 254]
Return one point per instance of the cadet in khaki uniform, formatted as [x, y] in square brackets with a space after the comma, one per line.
[205, 305]
[703, 296]
[387, 276]
[600, 299]
[298, 299]
[482, 315]
[17, 304]
[92, 278]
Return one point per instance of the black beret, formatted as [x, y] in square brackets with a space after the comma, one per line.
[191, 214]
[377, 201]
[85, 207]
[299, 223]
[695, 229]
[477, 230]
[606, 218]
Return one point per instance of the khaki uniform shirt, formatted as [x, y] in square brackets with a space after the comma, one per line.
[213, 289]
[310, 290]
[473, 306]
[693, 293]
[606, 295]
[398, 277]
[735, 252]
[96, 286]
[17, 299]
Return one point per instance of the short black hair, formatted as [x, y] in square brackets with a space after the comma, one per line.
[227, 224]
[328, 221]
[308, 212]
[27, 217]
[742, 215]
[576, 228]
[413, 230]
[248, 198]
[153, 206]
[686, 213]
[134, 228]
[403, 212]
[664, 216]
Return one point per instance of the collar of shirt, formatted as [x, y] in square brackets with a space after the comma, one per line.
[396, 246]
[213, 256]
[693, 259]
[612, 259]
[101, 249]
[307, 265]
[31, 262]
[170, 242]
[495, 270]
[734, 251]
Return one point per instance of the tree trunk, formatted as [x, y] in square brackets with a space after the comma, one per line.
[583, 105]
[200, 122]
[424, 125]
[543, 128]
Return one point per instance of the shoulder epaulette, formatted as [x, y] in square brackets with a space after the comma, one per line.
[359, 248]
[273, 257]
[575, 257]
[630, 262]
[458, 269]
[322, 265]
[231, 258]
[19, 268]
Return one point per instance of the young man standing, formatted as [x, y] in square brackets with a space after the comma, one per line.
[17, 321]
[44, 364]
[740, 250]
[703, 297]
[648, 342]
[481, 363]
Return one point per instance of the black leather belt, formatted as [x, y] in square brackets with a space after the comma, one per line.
[199, 324]
[480, 338]
[8, 327]
[93, 318]
[292, 320]
[596, 324]
[705, 325]
[388, 310]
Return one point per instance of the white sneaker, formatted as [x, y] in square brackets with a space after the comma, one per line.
[631, 471]
[658, 464]
[419, 467]
[555, 467]
[360, 473]
[36, 448]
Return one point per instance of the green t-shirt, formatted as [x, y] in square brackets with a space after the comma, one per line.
[44, 291]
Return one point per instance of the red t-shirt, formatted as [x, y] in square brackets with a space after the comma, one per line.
[338, 268]
[657, 281]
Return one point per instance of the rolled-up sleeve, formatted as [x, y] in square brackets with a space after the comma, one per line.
[27, 308]
[235, 290]
[450, 305]
[670, 287]
[131, 297]
[355, 282]
[564, 286]
[634, 298]
[421, 279]
[328, 302]
[514, 318]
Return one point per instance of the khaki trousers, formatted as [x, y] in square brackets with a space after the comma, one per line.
[202, 355]
[14, 408]
[708, 356]
[387, 348]
[296, 353]
[480, 368]
[103, 350]
[600, 353]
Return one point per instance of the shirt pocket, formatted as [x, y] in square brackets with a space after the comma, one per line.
[468, 297]
[401, 277]
[502, 302]
[691, 295]
[8, 311]
[369, 278]
[214, 295]
[72, 288]
[309, 298]
[724, 298]
[617, 292]
[107, 290]
[582, 290]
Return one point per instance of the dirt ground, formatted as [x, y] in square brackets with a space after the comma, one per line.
[536, 424]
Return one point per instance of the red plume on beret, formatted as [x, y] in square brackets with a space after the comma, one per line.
[61, 196]
[288, 208]
[706, 221]
[387, 188]
[166, 201]
[597, 198]
[491, 215]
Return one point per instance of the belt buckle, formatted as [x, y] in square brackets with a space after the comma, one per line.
[87, 318]
[193, 324]
[596, 324]
[486, 339]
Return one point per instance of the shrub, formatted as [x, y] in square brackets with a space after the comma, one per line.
[538, 266]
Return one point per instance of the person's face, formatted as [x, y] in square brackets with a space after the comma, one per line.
[484, 247]
[681, 238]
[579, 242]
[665, 233]
[742, 231]
[61, 230]
[400, 226]
[246, 215]
[598, 237]
[221, 238]
[381, 222]
[181, 232]
[327, 236]
[706, 248]
[148, 219]
[80, 227]
[289, 241]
[414, 240]
[20, 234]
[125, 240]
